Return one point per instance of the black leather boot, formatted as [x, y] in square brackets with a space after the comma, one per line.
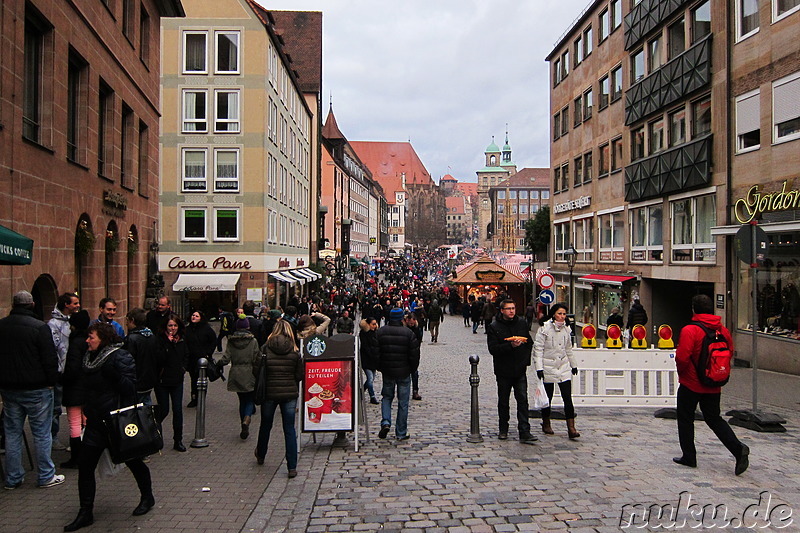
[75, 453]
[84, 518]
[145, 504]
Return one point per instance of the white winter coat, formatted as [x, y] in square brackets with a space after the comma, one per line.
[552, 352]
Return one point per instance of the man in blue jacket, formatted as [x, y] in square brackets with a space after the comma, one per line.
[398, 359]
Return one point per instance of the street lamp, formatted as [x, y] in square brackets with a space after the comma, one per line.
[571, 256]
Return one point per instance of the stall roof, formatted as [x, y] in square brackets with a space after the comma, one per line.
[485, 271]
[205, 282]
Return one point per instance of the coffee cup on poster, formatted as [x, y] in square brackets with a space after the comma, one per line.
[315, 408]
[327, 398]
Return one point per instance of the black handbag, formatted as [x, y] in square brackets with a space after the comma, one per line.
[214, 372]
[133, 432]
[260, 395]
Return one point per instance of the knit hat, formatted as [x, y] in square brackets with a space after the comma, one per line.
[396, 314]
[242, 323]
[23, 298]
[274, 313]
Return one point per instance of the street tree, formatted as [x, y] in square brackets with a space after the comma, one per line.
[537, 233]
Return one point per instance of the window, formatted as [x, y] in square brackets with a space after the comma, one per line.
[577, 171]
[701, 21]
[587, 167]
[227, 52]
[604, 160]
[195, 111]
[523, 209]
[561, 235]
[226, 224]
[523, 195]
[577, 50]
[556, 126]
[637, 65]
[587, 41]
[655, 132]
[654, 54]
[786, 110]
[227, 118]
[194, 170]
[128, 16]
[545, 195]
[602, 26]
[144, 158]
[583, 238]
[227, 170]
[512, 195]
[564, 64]
[126, 145]
[692, 220]
[748, 122]
[782, 8]
[144, 36]
[616, 14]
[677, 38]
[612, 232]
[577, 111]
[194, 224]
[565, 121]
[556, 72]
[677, 127]
[565, 176]
[194, 52]
[646, 233]
[746, 18]
[76, 107]
[557, 179]
[616, 154]
[616, 83]
[637, 143]
[105, 116]
[32, 99]
[604, 92]
[587, 104]
[701, 115]
[501, 195]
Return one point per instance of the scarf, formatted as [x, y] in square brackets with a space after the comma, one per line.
[102, 356]
[559, 325]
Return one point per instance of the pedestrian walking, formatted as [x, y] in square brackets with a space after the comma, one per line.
[399, 358]
[369, 354]
[142, 344]
[411, 322]
[226, 321]
[510, 344]
[345, 324]
[435, 317]
[636, 314]
[465, 310]
[476, 312]
[243, 354]
[30, 371]
[66, 305]
[200, 343]
[284, 372]
[692, 391]
[110, 378]
[556, 364]
[172, 356]
[74, 388]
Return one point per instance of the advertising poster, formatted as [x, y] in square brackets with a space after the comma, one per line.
[328, 395]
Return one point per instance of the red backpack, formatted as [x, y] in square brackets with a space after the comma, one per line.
[714, 364]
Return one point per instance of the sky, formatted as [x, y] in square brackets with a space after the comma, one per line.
[445, 74]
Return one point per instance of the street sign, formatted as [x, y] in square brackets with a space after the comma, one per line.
[743, 243]
[547, 297]
[546, 280]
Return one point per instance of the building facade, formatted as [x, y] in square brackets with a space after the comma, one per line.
[459, 220]
[513, 202]
[498, 167]
[235, 190]
[79, 127]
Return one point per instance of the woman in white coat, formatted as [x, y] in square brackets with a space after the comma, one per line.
[552, 353]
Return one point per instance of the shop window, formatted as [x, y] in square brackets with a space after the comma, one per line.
[226, 224]
[646, 225]
[748, 122]
[193, 224]
[227, 52]
[692, 220]
[194, 52]
[786, 113]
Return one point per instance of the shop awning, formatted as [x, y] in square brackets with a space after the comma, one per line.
[606, 279]
[280, 277]
[15, 249]
[311, 273]
[300, 274]
[297, 279]
[205, 282]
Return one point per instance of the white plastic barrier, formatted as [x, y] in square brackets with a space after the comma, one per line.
[623, 378]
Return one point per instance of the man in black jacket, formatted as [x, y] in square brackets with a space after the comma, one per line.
[510, 344]
[141, 343]
[398, 359]
[30, 371]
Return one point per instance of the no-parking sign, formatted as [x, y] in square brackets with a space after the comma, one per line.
[546, 280]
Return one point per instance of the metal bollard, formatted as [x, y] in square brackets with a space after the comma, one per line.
[474, 419]
[200, 425]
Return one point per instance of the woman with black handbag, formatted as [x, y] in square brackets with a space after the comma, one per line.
[110, 382]
[201, 341]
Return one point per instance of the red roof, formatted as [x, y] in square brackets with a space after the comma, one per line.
[456, 202]
[392, 159]
[528, 177]
[467, 188]
[447, 177]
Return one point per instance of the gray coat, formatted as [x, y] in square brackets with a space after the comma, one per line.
[243, 355]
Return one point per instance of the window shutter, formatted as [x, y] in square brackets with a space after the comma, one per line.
[786, 98]
[748, 114]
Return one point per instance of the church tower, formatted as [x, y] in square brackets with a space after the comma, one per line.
[499, 167]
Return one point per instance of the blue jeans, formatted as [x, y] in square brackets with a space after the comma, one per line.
[369, 384]
[288, 409]
[475, 324]
[144, 397]
[37, 405]
[247, 406]
[163, 396]
[403, 396]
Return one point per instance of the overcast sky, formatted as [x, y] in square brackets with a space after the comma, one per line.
[446, 74]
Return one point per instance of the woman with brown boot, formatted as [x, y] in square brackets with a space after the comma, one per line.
[552, 354]
[243, 354]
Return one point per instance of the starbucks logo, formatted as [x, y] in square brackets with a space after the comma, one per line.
[131, 430]
[316, 347]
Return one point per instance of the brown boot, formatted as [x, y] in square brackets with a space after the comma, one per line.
[571, 431]
[546, 428]
[245, 428]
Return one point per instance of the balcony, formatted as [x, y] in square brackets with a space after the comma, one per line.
[678, 169]
[675, 80]
[646, 16]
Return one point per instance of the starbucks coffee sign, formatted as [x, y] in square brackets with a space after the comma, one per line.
[757, 202]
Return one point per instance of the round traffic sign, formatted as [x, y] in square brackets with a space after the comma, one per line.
[547, 297]
[546, 280]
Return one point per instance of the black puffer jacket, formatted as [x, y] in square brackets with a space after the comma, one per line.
[109, 387]
[172, 358]
[637, 315]
[398, 349]
[73, 377]
[141, 343]
[368, 347]
[284, 368]
[509, 362]
[28, 358]
[201, 341]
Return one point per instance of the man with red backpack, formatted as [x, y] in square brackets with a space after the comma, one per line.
[703, 358]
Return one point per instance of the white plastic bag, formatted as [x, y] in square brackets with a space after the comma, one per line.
[106, 467]
[540, 400]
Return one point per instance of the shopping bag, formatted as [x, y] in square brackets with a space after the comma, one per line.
[106, 467]
[540, 400]
[133, 432]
